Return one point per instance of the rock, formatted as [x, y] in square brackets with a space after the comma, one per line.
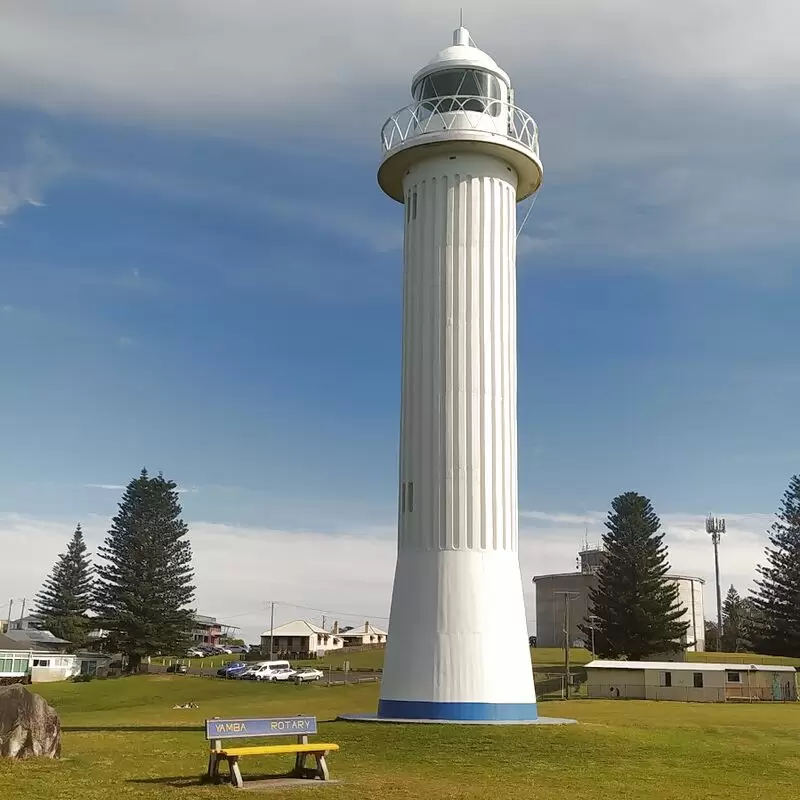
[29, 726]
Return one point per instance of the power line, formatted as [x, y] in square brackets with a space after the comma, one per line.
[326, 611]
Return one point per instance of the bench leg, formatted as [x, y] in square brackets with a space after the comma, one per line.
[300, 765]
[213, 767]
[322, 767]
[236, 773]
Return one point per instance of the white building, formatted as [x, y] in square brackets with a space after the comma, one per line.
[366, 634]
[695, 682]
[300, 637]
[459, 158]
[19, 662]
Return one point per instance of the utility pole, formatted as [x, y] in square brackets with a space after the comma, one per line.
[24, 600]
[271, 626]
[10, 609]
[568, 597]
[715, 526]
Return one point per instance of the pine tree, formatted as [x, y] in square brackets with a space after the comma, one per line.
[66, 596]
[145, 587]
[777, 596]
[711, 635]
[735, 633]
[638, 611]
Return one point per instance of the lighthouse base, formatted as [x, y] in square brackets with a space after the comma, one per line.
[457, 712]
[457, 650]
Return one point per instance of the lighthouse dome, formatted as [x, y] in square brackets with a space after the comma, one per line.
[460, 56]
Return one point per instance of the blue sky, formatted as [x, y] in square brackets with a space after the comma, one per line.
[199, 274]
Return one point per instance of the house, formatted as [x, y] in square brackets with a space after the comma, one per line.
[206, 630]
[26, 623]
[94, 664]
[14, 662]
[366, 634]
[18, 662]
[695, 682]
[300, 638]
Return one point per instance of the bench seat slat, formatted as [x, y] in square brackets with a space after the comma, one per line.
[277, 749]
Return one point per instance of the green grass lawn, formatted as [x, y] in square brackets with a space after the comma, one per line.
[625, 750]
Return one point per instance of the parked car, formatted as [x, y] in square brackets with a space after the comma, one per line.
[232, 670]
[282, 674]
[305, 674]
[179, 668]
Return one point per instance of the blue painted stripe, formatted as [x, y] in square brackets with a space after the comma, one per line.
[422, 709]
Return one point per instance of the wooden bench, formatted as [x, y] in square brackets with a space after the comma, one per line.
[218, 730]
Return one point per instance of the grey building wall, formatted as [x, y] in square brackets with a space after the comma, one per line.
[550, 607]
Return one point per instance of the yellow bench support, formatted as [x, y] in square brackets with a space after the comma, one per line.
[276, 749]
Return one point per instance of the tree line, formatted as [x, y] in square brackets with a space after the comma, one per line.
[636, 612]
[140, 590]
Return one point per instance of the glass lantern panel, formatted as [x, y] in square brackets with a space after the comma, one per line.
[453, 90]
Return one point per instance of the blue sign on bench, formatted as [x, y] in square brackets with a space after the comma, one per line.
[274, 726]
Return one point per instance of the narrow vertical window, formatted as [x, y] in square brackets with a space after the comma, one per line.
[408, 208]
[414, 206]
[402, 498]
[410, 496]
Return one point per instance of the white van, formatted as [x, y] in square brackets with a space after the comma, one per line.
[266, 670]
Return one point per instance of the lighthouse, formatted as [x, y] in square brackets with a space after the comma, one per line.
[459, 158]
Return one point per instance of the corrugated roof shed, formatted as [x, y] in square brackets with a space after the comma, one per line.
[688, 666]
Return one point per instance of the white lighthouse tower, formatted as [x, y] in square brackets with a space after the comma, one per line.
[459, 158]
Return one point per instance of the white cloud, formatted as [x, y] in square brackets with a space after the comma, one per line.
[119, 487]
[349, 576]
[199, 59]
[663, 126]
[35, 169]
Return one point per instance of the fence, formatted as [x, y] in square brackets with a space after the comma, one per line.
[784, 692]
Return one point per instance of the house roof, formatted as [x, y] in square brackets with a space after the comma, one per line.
[31, 636]
[7, 644]
[298, 627]
[364, 630]
[677, 666]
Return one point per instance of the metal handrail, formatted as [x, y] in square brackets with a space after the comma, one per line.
[441, 114]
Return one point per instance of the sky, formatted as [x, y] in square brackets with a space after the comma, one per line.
[199, 275]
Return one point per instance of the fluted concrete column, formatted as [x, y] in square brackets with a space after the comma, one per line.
[458, 641]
